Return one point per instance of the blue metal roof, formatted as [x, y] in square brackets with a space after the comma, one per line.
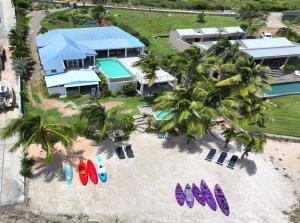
[73, 78]
[67, 44]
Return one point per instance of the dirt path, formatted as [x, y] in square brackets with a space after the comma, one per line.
[274, 20]
[66, 109]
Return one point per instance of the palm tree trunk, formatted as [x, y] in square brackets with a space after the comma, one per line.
[245, 154]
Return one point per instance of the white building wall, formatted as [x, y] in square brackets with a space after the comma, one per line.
[56, 90]
[116, 86]
[176, 42]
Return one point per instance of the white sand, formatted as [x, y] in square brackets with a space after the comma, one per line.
[142, 189]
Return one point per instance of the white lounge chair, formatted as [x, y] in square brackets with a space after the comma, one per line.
[297, 73]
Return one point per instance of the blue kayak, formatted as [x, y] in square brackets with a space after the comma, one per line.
[68, 173]
[102, 173]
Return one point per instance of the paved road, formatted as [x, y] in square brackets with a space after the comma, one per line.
[274, 20]
[11, 185]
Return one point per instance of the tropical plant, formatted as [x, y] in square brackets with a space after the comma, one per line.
[149, 65]
[99, 13]
[201, 18]
[21, 66]
[26, 165]
[129, 89]
[31, 129]
[229, 134]
[251, 143]
[251, 12]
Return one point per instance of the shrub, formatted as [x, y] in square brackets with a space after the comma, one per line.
[129, 89]
[124, 122]
[103, 87]
[82, 129]
[289, 68]
[201, 18]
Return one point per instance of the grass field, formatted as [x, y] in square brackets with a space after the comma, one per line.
[286, 117]
[148, 24]
[151, 24]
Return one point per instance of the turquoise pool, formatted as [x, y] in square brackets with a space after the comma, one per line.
[283, 89]
[161, 115]
[112, 68]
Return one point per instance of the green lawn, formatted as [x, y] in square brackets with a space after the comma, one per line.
[286, 117]
[151, 24]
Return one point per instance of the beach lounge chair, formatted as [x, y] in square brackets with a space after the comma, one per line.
[221, 158]
[129, 151]
[211, 154]
[120, 152]
[232, 161]
[161, 135]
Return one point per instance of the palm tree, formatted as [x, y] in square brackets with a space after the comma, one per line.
[185, 64]
[149, 65]
[249, 13]
[96, 115]
[31, 129]
[252, 144]
[99, 13]
[229, 134]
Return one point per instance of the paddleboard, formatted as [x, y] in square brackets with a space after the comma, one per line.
[198, 195]
[102, 173]
[82, 170]
[92, 172]
[189, 197]
[208, 196]
[221, 200]
[68, 173]
[179, 195]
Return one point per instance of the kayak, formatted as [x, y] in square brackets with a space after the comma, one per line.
[208, 195]
[189, 197]
[102, 173]
[68, 173]
[92, 172]
[82, 170]
[221, 200]
[179, 195]
[198, 195]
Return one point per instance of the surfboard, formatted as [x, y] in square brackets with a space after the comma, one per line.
[209, 199]
[198, 195]
[179, 195]
[82, 170]
[102, 173]
[68, 173]
[189, 197]
[221, 200]
[92, 172]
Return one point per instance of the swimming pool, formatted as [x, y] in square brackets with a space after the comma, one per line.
[283, 89]
[161, 115]
[112, 68]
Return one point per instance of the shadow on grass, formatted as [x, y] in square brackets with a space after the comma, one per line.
[54, 169]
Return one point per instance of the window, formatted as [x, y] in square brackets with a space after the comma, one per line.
[53, 71]
[72, 63]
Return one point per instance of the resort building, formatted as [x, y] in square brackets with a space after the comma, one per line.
[66, 54]
[64, 49]
[182, 39]
[273, 52]
[72, 82]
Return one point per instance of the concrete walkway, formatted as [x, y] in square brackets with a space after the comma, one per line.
[11, 183]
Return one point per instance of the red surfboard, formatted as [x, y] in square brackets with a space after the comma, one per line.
[83, 173]
[92, 172]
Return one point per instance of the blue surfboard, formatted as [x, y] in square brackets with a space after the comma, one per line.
[68, 173]
[102, 173]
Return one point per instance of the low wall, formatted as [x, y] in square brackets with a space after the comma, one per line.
[56, 90]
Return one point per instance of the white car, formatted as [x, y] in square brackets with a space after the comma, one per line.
[264, 35]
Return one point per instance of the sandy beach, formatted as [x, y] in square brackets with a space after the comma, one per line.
[142, 189]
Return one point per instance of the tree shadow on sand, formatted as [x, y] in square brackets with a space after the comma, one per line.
[250, 166]
[54, 169]
[193, 146]
[108, 147]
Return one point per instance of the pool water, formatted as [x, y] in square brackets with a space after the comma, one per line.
[112, 68]
[283, 89]
[161, 115]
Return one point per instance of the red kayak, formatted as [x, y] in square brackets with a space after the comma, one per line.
[92, 172]
[83, 173]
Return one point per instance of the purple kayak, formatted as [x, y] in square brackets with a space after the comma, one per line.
[221, 199]
[189, 197]
[208, 196]
[198, 195]
[180, 197]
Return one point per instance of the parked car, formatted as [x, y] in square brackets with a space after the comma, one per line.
[264, 35]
